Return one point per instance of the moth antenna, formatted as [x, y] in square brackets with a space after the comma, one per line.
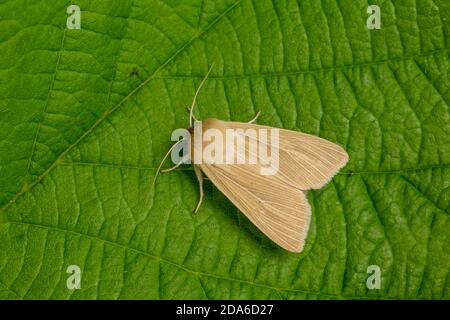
[255, 118]
[164, 159]
[191, 109]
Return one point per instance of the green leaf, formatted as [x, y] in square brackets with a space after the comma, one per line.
[86, 115]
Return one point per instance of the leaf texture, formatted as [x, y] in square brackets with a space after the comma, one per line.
[86, 115]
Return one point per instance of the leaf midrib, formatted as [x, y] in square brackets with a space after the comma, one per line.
[105, 115]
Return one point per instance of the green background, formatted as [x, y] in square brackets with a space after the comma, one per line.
[86, 115]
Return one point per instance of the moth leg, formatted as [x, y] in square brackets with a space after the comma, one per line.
[172, 168]
[255, 118]
[164, 159]
[198, 174]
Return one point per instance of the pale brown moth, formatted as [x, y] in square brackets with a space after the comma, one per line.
[276, 204]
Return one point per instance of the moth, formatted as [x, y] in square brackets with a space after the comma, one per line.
[275, 203]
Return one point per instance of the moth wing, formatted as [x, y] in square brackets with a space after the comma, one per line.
[305, 161]
[281, 212]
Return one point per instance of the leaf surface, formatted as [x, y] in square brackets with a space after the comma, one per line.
[86, 115]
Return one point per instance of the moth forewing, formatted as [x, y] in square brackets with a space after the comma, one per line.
[276, 202]
[305, 161]
[281, 212]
